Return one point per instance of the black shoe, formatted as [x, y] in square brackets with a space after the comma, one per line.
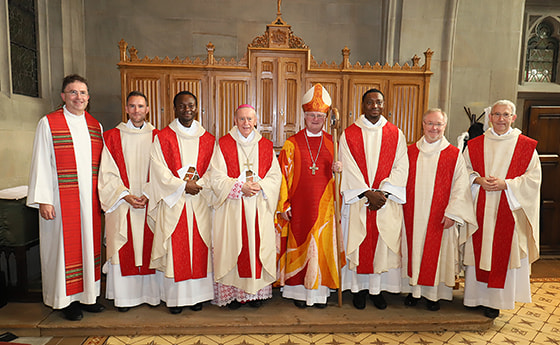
[359, 299]
[256, 303]
[432, 305]
[300, 304]
[73, 312]
[411, 301]
[123, 309]
[491, 312]
[378, 301]
[175, 310]
[235, 304]
[196, 307]
[92, 308]
[320, 305]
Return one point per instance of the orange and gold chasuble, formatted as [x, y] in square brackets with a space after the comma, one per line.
[70, 197]
[308, 243]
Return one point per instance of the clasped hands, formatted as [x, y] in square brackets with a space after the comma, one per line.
[192, 187]
[491, 183]
[376, 199]
[250, 188]
[135, 201]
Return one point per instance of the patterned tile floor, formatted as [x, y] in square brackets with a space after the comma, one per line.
[532, 323]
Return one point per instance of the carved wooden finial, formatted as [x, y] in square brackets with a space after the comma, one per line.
[133, 53]
[122, 50]
[346, 57]
[428, 54]
[415, 60]
[210, 49]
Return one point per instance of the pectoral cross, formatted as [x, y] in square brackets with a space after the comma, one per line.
[248, 165]
[313, 168]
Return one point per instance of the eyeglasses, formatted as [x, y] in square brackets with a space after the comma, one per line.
[434, 124]
[76, 93]
[504, 115]
[316, 116]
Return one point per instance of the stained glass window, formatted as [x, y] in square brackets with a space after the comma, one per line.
[23, 47]
[542, 54]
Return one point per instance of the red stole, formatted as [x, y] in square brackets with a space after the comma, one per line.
[228, 146]
[389, 142]
[440, 199]
[126, 253]
[70, 197]
[505, 224]
[183, 267]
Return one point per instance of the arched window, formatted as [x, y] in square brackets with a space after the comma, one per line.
[542, 53]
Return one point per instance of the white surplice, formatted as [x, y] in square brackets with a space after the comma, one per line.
[459, 208]
[167, 200]
[131, 290]
[387, 261]
[523, 196]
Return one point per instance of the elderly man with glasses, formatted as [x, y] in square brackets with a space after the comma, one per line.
[505, 174]
[437, 214]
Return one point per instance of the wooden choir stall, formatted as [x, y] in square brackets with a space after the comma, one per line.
[273, 76]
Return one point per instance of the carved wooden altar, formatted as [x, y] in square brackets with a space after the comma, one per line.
[273, 76]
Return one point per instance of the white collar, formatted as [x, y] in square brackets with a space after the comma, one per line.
[243, 139]
[67, 112]
[380, 123]
[131, 126]
[311, 135]
[188, 130]
[499, 135]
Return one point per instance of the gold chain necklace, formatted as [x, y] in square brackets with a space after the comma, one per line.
[314, 167]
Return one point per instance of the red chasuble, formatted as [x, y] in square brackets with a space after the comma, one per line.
[70, 197]
[126, 253]
[306, 191]
[505, 223]
[389, 142]
[228, 146]
[183, 267]
[440, 199]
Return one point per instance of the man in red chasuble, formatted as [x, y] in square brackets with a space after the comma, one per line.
[122, 178]
[437, 214]
[180, 199]
[63, 185]
[246, 179]
[308, 264]
[373, 154]
[505, 174]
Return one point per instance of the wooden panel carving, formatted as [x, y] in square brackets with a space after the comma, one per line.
[230, 94]
[404, 106]
[151, 86]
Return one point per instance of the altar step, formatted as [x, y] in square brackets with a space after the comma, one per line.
[275, 316]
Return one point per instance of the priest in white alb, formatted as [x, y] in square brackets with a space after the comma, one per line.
[180, 203]
[505, 174]
[123, 175]
[246, 179]
[373, 152]
[438, 214]
[63, 186]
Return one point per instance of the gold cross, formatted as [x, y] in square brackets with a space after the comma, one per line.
[313, 169]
